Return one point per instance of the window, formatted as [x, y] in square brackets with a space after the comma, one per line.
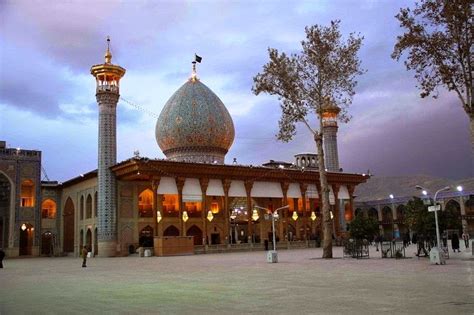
[215, 207]
[27, 193]
[82, 208]
[145, 204]
[48, 209]
[194, 209]
[89, 207]
[170, 205]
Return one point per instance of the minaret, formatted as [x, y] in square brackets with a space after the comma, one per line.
[329, 116]
[107, 93]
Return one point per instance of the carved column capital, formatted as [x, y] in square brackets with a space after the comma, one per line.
[180, 183]
[226, 185]
[204, 182]
[248, 186]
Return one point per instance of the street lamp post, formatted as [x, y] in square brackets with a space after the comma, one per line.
[393, 218]
[438, 241]
[274, 216]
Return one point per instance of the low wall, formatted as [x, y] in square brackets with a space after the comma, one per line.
[174, 245]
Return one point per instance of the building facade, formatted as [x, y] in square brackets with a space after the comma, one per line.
[121, 206]
[385, 199]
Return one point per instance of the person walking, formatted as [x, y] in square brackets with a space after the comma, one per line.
[455, 243]
[465, 237]
[84, 256]
[2, 255]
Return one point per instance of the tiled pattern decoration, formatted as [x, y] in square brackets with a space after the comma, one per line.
[107, 212]
[330, 148]
[195, 126]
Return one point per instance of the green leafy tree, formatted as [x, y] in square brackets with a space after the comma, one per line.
[362, 227]
[450, 218]
[438, 40]
[322, 74]
[418, 219]
[423, 222]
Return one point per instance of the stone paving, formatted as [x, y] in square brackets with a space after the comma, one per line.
[238, 283]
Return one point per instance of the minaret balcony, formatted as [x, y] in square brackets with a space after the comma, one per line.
[107, 88]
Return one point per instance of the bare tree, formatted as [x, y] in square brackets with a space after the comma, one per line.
[438, 39]
[322, 74]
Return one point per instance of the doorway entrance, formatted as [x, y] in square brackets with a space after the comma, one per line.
[26, 239]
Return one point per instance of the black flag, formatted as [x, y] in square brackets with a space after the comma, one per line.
[197, 58]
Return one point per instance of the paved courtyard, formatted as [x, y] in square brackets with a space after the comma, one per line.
[301, 283]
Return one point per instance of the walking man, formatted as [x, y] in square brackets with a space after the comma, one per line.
[2, 255]
[465, 237]
[84, 256]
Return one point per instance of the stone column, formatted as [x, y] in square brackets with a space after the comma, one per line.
[107, 185]
[180, 186]
[248, 190]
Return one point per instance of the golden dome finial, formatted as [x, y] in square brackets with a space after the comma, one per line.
[194, 77]
[194, 74]
[108, 55]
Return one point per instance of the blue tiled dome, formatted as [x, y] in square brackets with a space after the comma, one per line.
[194, 125]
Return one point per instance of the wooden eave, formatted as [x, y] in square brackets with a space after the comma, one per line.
[144, 170]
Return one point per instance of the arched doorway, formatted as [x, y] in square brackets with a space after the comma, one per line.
[451, 217]
[26, 239]
[402, 226]
[196, 233]
[89, 207]
[145, 238]
[68, 226]
[171, 231]
[373, 213]
[387, 223]
[89, 239]
[47, 244]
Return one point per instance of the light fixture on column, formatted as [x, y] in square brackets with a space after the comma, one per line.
[210, 216]
[295, 216]
[313, 216]
[23, 227]
[332, 215]
[255, 215]
[158, 216]
[185, 216]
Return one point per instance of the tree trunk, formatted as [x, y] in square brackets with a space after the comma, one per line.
[471, 120]
[324, 195]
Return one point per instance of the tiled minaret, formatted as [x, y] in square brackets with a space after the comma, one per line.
[331, 158]
[107, 93]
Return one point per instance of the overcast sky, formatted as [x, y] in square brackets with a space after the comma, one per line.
[47, 95]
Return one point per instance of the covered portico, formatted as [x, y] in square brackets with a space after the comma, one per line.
[217, 202]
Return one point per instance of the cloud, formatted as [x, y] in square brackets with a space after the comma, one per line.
[47, 49]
